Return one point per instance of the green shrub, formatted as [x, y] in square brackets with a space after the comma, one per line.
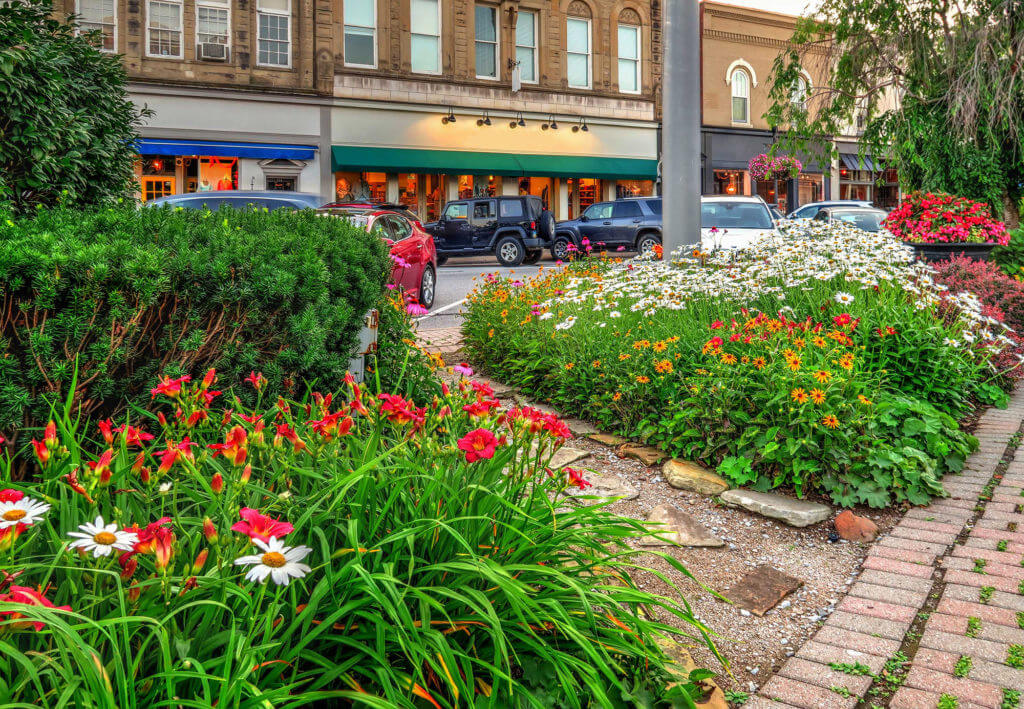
[127, 295]
[67, 126]
[438, 573]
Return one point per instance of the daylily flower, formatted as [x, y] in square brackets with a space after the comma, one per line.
[106, 429]
[259, 526]
[234, 447]
[286, 432]
[478, 444]
[170, 387]
[257, 380]
[576, 478]
[29, 597]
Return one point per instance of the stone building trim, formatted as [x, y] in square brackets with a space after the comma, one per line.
[746, 66]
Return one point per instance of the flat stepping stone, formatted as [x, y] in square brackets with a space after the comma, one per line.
[761, 589]
[685, 475]
[679, 529]
[580, 428]
[607, 439]
[566, 456]
[648, 455]
[606, 487]
[796, 513]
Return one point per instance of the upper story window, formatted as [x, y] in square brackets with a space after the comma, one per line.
[526, 45]
[99, 15]
[163, 29]
[740, 82]
[425, 43]
[799, 95]
[213, 20]
[486, 23]
[629, 52]
[361, 33]
[577, 52]
[274, 33]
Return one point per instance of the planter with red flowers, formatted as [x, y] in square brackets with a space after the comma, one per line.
[941, 226]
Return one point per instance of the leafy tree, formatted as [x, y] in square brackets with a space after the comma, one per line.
[66, 123]
[939, 85]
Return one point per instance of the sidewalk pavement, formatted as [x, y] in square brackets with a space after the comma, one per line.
[443, 341]
[936, 618]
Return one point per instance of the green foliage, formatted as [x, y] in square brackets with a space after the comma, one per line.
[1001, 546]
[1011, 699]
[958, 122]
[127, 295]
[1015, 656]
[947, 701]
[985, 594]
[979, 566]
[432, 580]
[963, 666]
[851, 668]
[67, 127]
[973, 627]
[736, 698]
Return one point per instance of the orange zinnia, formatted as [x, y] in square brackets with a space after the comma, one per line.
[799, 396]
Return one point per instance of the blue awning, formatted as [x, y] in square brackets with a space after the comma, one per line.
[854, 162]
[261, 151]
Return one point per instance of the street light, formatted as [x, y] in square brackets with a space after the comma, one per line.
[681, 110]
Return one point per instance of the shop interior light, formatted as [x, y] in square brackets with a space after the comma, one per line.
[485, 120]
[450, 118]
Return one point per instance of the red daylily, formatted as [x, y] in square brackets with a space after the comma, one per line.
[478, 444]
[101, 467]
[260, 526]
[257, 380]
[234, 447]
[400, 411]
[29, 597]
[286, 432]
[107, 430]
[170, 387]
[576, 478]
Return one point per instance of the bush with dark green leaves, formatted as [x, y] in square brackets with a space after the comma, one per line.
[67, 127]
[121, 296]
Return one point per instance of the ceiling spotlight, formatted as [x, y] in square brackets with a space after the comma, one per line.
[485, 120]
[450, 118]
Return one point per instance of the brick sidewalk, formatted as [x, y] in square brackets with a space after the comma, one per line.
[444, 341]
[941, 595]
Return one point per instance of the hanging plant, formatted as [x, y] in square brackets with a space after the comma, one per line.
[766, 167]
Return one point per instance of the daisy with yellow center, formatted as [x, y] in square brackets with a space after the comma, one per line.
[819, 341]
[623, 357]
[279, 562]
[728, 358]
[570, 365]
[822, 377]
[793, 363]
[798, 395]
[660, 347]
[799, 343]
[759, 362]
[24, 511]
[830, 421]
[817, 396]
[101, 538]
[846, 361]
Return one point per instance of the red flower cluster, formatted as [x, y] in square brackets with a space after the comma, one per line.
[928, 218]
[401, 411]
[260, 526]
[537, 421]
[29, 597]
[480, 444]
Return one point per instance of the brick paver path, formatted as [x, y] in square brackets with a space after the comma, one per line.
[936, 618]
[443, 341]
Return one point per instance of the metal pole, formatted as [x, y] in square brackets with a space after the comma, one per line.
[681, 175]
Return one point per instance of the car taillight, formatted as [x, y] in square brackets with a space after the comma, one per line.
[533, 225]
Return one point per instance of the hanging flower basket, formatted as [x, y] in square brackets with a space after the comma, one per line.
[765, 167]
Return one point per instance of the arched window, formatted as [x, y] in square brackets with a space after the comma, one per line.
[800, 89]
[740, 82]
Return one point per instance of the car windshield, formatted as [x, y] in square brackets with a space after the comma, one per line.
[867, 221]
[734, 215]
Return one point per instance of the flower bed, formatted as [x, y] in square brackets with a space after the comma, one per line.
[345, 548]
[819, 360]
[929, 218]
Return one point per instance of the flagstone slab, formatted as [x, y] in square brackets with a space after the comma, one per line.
[606, 487]
[607, 439]
[761, 589]
[686, 475]
[567, 456]
[648, 455]
[673, 526]
[796, 513]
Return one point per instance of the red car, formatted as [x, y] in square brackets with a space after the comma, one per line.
[412, 248]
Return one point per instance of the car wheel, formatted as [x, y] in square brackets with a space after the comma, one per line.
[510, 251]
[428, 285]
[646, 243]
[441, 260]
[560, 249]
[533, 257]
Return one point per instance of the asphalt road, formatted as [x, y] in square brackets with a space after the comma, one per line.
[454, 282]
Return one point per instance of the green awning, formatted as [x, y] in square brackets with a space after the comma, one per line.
[464, 162]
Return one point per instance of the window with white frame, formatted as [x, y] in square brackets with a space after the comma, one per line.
[274, 33]
[163, 28]
[629, 59]
[486, 24]
[213, 18]
[425, 43]
[740, 82]
[361, 33]
[99, 15]
[526, 45]
[799, 96]
[577, 51]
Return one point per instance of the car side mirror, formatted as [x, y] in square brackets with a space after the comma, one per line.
[584, 218]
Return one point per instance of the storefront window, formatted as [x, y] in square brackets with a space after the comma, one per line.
[361, 186]
[812, 188]
[583, 192]
[634, 188]
[435, 196]
[478, 186]
[218, 174]
[543, 187]
[765, 189]
[407, 190]
[730, 182]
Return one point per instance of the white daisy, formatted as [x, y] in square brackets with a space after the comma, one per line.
[24, 511]
[165, 488]
[102, 538]
[279, 562]
[844, 298]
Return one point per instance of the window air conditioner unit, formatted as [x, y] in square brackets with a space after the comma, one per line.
[213, 51]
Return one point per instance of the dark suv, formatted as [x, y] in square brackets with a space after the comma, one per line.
[633, 223]
[515, 229]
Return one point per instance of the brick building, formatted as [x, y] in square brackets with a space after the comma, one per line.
[415, 101]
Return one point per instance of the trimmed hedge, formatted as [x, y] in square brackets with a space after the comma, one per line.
[129, 294]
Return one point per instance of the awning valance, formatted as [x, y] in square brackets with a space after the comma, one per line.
[855, 162]
[260, 151]
[464, 162]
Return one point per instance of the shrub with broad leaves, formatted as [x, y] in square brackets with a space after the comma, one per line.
[348, 548]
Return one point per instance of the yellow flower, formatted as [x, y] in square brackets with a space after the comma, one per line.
[759, 362]
[728, 358]
[864, 400]
[798, 395]
[663, 367]
[703, 372]
[641, 344]
[616, 396]
[745, 360]
[822, 377]
[799, 343]
[596, 364]
[623, 357]
[846, 361]
[817, 396]
[490, 333]
[570, 365]
[819, 341]
[641, 379]
[660, 347]
[504, 313]
[830, 421]
[789, 354]
[793, 363]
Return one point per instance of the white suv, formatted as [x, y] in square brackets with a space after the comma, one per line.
[733, 222]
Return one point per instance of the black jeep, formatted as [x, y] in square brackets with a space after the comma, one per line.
[515, 229]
